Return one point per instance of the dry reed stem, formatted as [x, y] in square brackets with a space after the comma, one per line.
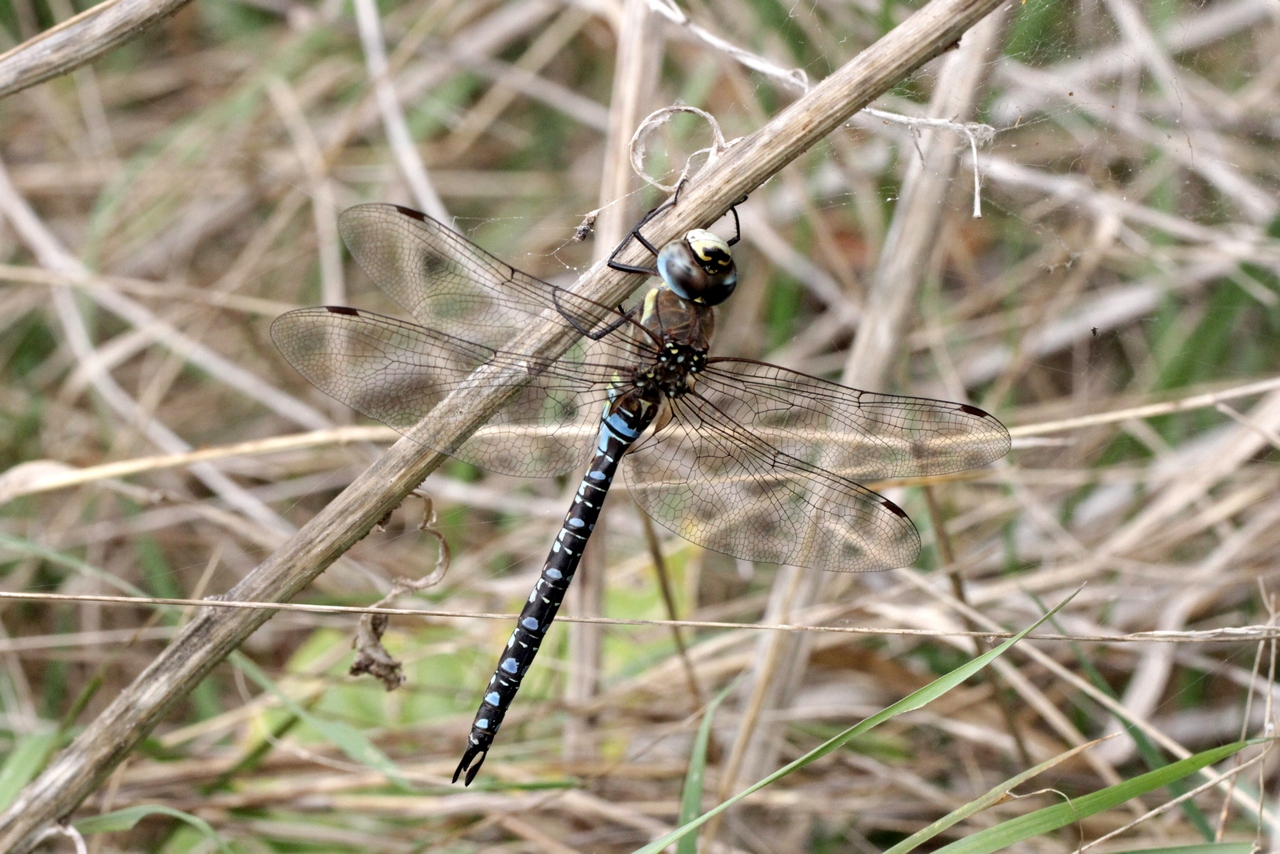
[55, 256]
[812, 625]
[78, 40]
[634, 77]
[905, 259]
[393, 120]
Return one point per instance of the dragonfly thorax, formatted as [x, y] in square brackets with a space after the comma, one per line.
[699, 267]
[680, 331]
[673, 373]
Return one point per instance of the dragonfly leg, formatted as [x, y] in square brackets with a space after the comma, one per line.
[642, 240]
[594, 336]
[635, 232]
[626, 315]
[632, 268]
[737, 226]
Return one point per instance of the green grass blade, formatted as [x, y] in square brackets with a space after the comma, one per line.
[345, 737]
[1205, 848]
[1059, 815]
[910, 703]
[977, 805]
[1150, 753]
[19, 545]
[125, 819]
[23, 763]
[691, 799]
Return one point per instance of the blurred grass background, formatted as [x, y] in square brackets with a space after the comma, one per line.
[1127, 257]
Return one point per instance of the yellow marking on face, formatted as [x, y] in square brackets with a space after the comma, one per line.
[709, 247]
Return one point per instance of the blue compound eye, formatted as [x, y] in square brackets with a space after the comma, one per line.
[699, 268]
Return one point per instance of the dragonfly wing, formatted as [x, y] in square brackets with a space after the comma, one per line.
[721, 486]
[396, 372]
[447, 282]
[761, 463]
[854, 434]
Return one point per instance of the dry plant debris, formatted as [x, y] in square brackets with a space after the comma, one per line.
[1116, 305]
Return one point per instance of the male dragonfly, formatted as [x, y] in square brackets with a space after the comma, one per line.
[739, 456]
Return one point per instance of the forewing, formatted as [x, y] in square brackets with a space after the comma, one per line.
[396, 372]
[447, 282]
[721, 486]
[853, 434]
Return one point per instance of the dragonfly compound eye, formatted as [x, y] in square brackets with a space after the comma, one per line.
[699, 268]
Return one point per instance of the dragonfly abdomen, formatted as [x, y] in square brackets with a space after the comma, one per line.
[624, 419]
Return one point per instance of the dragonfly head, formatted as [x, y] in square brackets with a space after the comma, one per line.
[698, 268]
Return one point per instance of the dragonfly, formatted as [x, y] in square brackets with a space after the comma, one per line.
[739, 456]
